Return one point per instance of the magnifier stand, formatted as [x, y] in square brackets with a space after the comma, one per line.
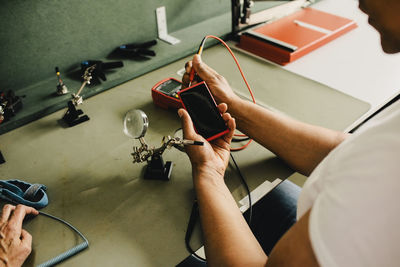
[72, 116]
[157, 169]
[135, 126]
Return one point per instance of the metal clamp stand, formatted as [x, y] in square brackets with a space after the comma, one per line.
[157, 169]
[135, 126]
[73, 115]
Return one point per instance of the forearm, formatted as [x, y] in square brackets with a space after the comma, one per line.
[228, 239]
[301, 145]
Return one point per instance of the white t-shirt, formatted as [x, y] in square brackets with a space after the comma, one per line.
[355, 197]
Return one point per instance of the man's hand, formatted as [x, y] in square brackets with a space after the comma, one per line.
[15, 242]
[211, 157]
[218, 85]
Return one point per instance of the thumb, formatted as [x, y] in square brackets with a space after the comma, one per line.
[206, 73]
[187, 124]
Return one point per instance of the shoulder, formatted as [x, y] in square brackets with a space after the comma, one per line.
[354, 196]
[363, 159]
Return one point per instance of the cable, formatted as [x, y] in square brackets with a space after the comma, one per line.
[69, 253]
[241, 72]
[240, 139]
[246, 186]
[237, 63]
[192, 221]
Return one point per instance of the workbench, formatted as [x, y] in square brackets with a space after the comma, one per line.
[93, 184]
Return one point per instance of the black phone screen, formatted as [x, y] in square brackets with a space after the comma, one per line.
[200, 104]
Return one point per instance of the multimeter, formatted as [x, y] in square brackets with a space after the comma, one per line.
[165, 93]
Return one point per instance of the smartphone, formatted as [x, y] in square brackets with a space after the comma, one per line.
[201, 106]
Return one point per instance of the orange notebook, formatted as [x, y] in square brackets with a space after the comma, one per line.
[295, 35]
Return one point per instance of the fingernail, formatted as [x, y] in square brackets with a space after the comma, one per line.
[180, 113]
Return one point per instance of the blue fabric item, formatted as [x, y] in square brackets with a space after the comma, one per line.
[20, 192]
[274, 214]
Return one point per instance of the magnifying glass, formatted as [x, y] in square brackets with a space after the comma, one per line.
[135, 123]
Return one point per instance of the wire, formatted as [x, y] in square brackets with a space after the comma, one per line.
[241, 73]
[69, 253]
[237, 63]
[240, 140]
[192, 221]
[246, 186]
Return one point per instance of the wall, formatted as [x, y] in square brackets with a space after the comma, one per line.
[38, 35]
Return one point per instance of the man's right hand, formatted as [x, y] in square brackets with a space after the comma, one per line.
[15, 242]
[218, 85]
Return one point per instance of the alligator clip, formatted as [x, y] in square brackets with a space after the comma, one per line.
[137, 50]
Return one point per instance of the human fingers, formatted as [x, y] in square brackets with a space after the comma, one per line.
[217, 84]
[232, 126]
[18, 216]
[203, 70]
[186, 75]
[231, 123]
[5, 215]
[188, 66]
[187, 78]
[222, 107]
[187, 125]
[226, 117]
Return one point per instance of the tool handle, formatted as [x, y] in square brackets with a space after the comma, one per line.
[191, 76]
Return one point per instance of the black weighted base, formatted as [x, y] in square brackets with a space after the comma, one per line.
[72, 116]
[157, 170]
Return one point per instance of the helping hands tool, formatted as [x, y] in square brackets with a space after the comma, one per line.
[61, 88]
[72, 115]
[135, 126]
[144, 152]
[10, 104]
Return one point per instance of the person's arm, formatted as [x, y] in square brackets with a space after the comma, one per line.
[228, 240]
[301, 145]
[15, 242]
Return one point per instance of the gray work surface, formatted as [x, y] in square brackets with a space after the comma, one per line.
[93, 184]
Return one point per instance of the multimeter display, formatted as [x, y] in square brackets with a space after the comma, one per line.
[170, 87]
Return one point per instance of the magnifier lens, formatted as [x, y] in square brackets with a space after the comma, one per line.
[135, 123]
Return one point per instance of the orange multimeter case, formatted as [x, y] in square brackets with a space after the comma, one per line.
[165, 93]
